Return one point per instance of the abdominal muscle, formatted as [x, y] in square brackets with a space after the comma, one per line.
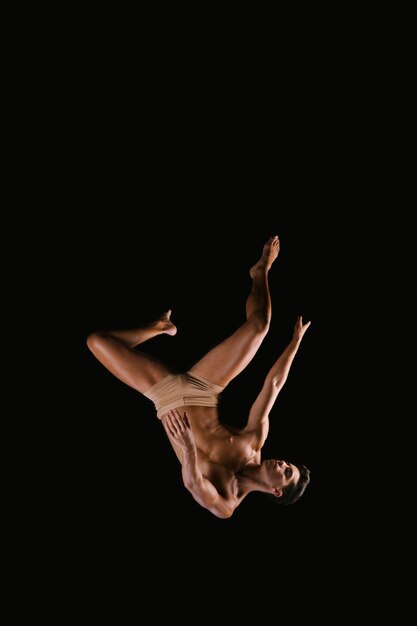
[222, 450]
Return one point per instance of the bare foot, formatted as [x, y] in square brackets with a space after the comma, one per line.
[165, 324]
[269, 254]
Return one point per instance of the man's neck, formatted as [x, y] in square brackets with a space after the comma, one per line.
[248, 479]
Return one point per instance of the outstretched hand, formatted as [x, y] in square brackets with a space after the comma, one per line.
[300, 328]
[178, 428]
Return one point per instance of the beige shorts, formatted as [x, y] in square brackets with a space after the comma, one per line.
[183, 390]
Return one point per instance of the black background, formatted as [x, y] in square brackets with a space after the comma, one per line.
[147, 159]
[125, 491]
[163, 202]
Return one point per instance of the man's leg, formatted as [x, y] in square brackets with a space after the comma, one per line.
[229, 358]
[115, 350]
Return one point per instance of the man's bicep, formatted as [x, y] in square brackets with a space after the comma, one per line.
[203, 491]
[208, 497]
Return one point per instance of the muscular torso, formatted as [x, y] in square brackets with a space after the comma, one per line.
[222, 449]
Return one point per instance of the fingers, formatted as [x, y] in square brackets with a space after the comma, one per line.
[174, 423]
[299, 322]
[182, 421]
[168, 426]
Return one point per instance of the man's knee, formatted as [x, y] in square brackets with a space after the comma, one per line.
[260, 322]
[95, 340]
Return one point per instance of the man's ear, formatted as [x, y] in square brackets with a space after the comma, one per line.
[277, 492]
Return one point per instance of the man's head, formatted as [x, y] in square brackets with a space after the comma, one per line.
[287, 482]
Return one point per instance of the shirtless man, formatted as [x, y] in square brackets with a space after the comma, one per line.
[221, 464]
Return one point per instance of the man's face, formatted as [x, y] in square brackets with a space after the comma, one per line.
[280, 474]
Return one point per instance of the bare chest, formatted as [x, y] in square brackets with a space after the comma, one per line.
[223, 447]
[221, 477]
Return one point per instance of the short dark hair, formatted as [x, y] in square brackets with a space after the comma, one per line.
[292, 493]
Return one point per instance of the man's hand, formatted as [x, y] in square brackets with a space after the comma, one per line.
[179, 430]
[300, 328]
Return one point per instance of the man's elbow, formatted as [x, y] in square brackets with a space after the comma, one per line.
[278, 382]
[223, 514]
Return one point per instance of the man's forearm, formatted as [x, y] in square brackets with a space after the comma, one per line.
[191, 473]
[279, 371]
[201, 488]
